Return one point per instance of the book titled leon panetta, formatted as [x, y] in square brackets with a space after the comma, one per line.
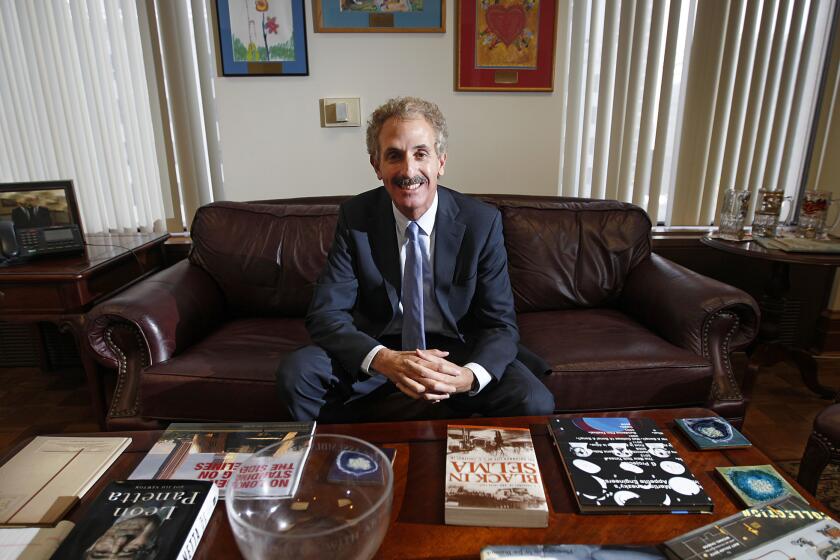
[160, 519]
[492, 478]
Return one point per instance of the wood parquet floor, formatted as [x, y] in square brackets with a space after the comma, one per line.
[778, 420]
[782, 410]
[34, 402]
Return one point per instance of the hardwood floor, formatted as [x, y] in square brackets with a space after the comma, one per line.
[778, 420]
[35, 402]
[782, 410]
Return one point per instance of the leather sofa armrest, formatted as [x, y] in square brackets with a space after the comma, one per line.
[697, 313]
[167, 312]
[682, 306]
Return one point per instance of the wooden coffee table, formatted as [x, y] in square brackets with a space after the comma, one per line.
[417, 529]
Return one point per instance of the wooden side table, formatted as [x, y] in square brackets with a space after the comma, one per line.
[62, 289]
[768, 349]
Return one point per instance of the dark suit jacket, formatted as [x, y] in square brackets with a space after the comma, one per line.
[358, 293]
[41, 217]
[20, 218]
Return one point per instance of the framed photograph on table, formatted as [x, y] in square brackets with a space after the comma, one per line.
[505, 45]
[261, 37]
[379, 16]
[39, 204]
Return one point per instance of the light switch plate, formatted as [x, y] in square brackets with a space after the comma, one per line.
[328, 112]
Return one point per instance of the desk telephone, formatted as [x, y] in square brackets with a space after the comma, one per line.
[32, 242]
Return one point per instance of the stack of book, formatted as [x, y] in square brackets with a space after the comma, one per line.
[628, 465]
[48, 476]
[614, 465]
[161, 512]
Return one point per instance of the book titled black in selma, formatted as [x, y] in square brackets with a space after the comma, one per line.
[626, 465]
[160, 519]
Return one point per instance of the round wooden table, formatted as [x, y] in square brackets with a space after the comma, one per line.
[769, 349]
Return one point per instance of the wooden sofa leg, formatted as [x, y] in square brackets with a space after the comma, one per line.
[823, 447]
[816, 457]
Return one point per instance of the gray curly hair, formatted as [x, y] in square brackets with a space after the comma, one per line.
[406, 108]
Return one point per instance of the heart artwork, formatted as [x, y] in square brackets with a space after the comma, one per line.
[506, 23]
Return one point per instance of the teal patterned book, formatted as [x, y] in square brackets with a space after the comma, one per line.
[712, 432]
[756, 484]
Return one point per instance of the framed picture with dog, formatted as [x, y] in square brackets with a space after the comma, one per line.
[379, 16]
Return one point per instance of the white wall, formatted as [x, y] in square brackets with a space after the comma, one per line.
[273, 146]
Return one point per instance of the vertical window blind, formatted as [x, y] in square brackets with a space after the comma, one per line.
[74, 104]
[667, 104]
[184, 64]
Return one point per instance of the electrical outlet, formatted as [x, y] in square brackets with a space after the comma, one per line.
[340, 111]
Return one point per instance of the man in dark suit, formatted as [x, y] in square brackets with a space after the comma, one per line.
[415, 301]
[29, 214]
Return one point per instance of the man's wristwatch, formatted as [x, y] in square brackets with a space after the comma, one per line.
[475, 385]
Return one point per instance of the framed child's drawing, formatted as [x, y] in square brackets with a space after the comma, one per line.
[262, 37]
[505, 45]
[379, 16]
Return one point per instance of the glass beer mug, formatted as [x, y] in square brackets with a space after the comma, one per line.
[813, 214]
[767, 212]
[733, 213]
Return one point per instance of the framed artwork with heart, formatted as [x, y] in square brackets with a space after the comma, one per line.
[379, 16]
[505, 45]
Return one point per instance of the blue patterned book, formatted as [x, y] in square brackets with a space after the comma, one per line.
[756, 484]
[712, 432]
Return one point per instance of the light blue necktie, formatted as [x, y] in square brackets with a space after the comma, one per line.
[413, 325]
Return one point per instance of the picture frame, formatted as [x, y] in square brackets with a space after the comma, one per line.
[275, 27]
[54, 201]
[379, 16]
[505, 45]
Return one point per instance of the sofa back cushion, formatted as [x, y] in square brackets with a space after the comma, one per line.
[265, 257]
[562, 253]
[570, 253]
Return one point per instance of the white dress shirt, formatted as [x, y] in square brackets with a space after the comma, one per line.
[431, 311]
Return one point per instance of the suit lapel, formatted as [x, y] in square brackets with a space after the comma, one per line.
[448, 235]
[383, 243]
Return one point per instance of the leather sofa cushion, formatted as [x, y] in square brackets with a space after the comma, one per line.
[599, 357]
[561, 256]
[603, 359]
[227, 376]
[265, 257]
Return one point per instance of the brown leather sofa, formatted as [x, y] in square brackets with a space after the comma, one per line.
[621, 327]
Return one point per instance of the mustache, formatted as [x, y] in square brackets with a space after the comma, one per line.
[404, 181]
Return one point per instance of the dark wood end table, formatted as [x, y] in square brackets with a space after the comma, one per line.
[62, 289]
[768, 349]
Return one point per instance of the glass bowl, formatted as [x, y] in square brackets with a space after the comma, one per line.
[322, 496]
